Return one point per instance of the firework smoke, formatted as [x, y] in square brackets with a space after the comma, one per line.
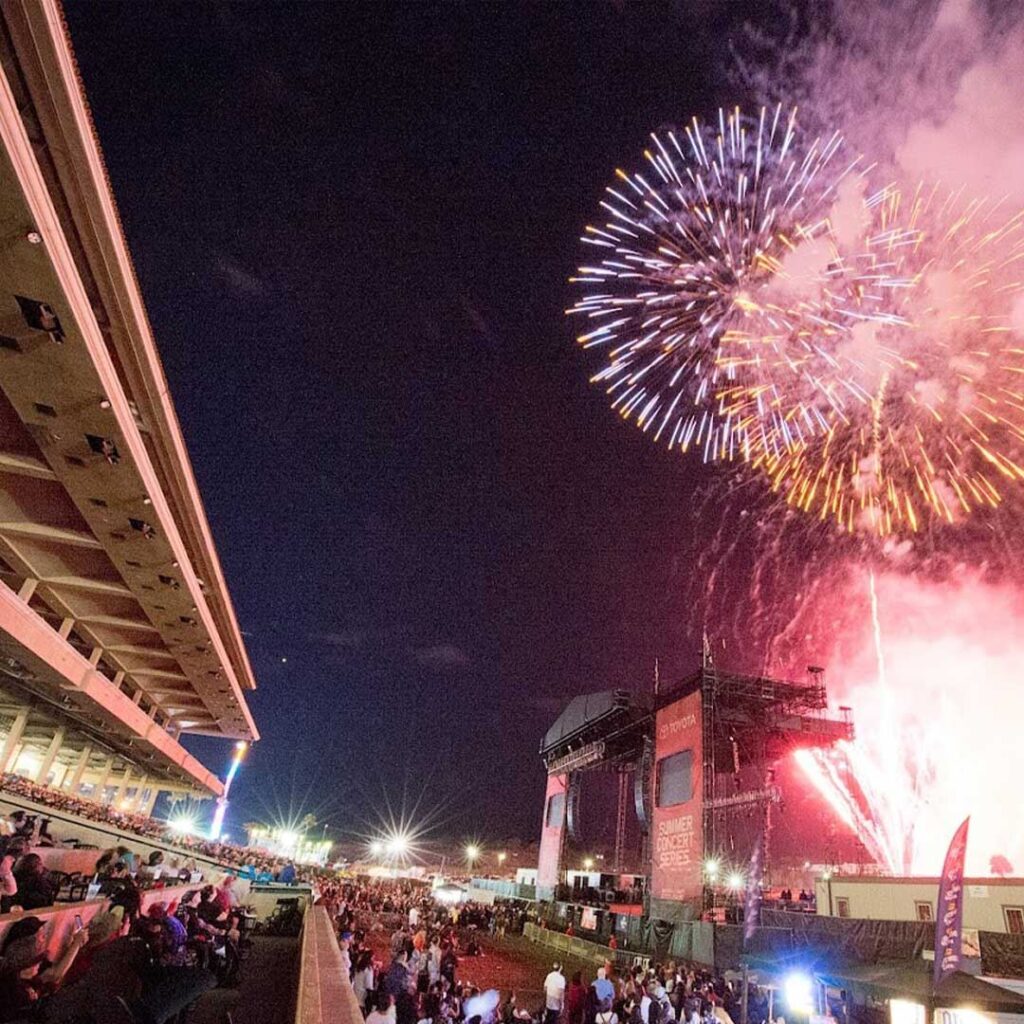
[916, 610]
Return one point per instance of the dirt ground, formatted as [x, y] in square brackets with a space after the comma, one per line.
[510, 963]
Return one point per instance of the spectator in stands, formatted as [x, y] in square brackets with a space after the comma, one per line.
[104, 928]
[153, 868]
[8, 883]
[21, 824]
[123, 892]
[286, 876]
[26, 975]
[225, 896]
[36, 886]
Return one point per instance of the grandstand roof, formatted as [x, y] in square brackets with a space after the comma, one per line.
[115, 606]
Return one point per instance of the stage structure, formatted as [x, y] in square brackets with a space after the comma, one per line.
[701, 754]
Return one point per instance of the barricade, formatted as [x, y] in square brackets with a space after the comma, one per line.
[505, 889]
[325, 993]
[692, 942]
[574, 946]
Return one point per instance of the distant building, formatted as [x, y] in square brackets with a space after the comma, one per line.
[990, 904]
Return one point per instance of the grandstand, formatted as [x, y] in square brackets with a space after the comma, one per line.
[117, 633]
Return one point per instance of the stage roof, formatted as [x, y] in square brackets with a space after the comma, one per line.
[114, 600]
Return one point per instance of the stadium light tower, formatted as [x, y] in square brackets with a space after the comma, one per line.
[222, 801]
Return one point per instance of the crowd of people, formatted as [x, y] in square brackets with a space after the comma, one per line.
[656, 994]
[250, 863]
[123, 966]
[412, 973]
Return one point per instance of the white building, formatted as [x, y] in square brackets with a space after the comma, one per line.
[990, 904]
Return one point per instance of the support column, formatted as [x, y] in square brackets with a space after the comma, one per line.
[76, 776]
[51, 752]
[139, 787]
[9, 749]
[122, 787]
[101, 784]
[151, 801]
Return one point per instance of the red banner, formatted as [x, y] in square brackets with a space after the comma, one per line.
[551, 831]
[677, 825]
[949, 918]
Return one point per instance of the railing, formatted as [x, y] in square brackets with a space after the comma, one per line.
[582, 948]
[59, 919]
[501, 887]
[325, 994]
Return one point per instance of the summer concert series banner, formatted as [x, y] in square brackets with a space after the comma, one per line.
[949, 917]
[677, 870]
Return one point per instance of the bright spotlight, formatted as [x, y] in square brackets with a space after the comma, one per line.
[397, 845]
[288, 839]
[376, 848]
[799, 992]
[182, 825]
[735, 880]
[711, 868]
[502, 857]
[588, 863]
[472, 852]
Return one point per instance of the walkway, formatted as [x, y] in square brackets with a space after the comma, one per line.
[266, 995]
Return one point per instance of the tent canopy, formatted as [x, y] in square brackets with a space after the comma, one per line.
[914, 981]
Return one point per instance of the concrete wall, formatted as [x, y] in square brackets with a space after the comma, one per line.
[896, 899]
[60, 918]
[325, 994]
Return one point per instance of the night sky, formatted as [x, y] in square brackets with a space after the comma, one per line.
[353, 227]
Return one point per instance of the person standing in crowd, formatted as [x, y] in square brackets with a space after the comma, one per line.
[575, 999]
[383, 1012]
[362, 978]
[603, 988]
[554, 994]
[449, 963]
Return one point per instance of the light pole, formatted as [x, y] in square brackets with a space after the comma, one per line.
[222, 801]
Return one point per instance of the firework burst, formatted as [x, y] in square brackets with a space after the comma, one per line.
[921, 412]
[720, 261]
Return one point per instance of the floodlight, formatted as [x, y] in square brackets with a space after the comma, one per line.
[799, 991]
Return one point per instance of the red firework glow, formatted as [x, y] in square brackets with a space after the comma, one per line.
[936, 687]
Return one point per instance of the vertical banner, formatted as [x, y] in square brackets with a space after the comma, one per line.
[551, 832]
[677, 826]
[949, 915]
[755, 874]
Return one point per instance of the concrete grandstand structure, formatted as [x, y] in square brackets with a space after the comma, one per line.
[117, 632]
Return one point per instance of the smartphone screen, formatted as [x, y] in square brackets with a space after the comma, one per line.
[78, 922]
